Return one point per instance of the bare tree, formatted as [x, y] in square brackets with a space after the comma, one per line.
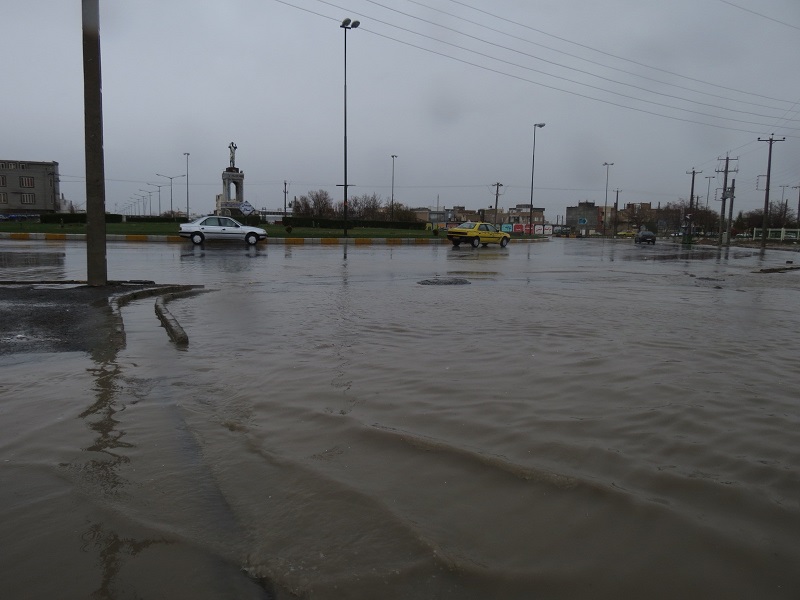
[315, 204]
[302, 207]
[368, 207]
[779, 215]
[639, 215]
[403, 213]
[672, 215]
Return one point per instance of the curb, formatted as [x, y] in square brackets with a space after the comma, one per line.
[165, 293]
[174, 330]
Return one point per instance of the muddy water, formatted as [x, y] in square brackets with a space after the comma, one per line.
[576, 420]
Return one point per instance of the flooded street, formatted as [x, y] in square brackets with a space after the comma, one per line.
[572, 419]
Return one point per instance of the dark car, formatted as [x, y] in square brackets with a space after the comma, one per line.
[644, 237]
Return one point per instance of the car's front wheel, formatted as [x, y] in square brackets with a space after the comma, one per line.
[504, 242]
[197, 238]
[476, 242]
[251, 239]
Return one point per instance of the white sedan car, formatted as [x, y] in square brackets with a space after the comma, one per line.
[221, 228]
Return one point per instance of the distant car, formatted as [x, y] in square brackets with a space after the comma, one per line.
[221, 228]
[644, 237]
[477, 234]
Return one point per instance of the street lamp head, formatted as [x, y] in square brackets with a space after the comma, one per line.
[394, 155]
[355, 24]
[538, 125]
[608, 164]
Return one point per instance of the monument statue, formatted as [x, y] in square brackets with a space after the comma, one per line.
[232, 148]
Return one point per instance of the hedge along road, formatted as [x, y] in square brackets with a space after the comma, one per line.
[338, 426]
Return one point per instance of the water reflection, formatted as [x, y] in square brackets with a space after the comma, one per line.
[225, 258]
[30, 266]
[100, 417]
[112, 550]
[106, 456]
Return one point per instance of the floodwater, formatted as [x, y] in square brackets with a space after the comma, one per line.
[577, 419]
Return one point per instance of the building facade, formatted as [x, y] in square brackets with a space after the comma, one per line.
[28, 187]
[523, 214]
[585, 218]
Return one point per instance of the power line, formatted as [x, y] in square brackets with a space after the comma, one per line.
[574, 93]
[641, 64]
[758, 14]
[575, 56]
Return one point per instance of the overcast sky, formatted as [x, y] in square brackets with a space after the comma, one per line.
[452, 87]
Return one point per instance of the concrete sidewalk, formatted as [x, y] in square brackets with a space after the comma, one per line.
[70, 316]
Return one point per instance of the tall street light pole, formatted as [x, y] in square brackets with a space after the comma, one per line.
[140, 199]
[186, 154]
[150, 199]
[533, 167]
[391, 211]
[170, 177]
[346, 25]
[605, 206]
[159, 186]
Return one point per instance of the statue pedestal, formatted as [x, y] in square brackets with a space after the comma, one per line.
[231, 176]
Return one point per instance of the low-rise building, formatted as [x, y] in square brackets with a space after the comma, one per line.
[28, 187]
[523, 214]
[585, 218]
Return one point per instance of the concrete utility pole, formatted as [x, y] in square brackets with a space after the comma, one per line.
[96, 264]
[765, 223]
[391, 209]
[285, 191]
[797, 187]
[607, 165]
[186, 154]
[724, 196]
[687, 239]
[732, 196]
[784, 204]
[496, 199]
[616, 208]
